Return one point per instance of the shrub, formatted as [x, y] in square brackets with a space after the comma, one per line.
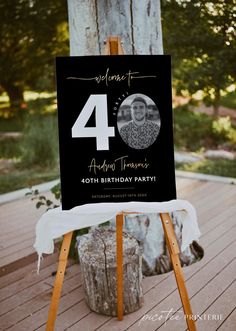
[40, 142]
[192, 131]
[223, 130]
[10, 148]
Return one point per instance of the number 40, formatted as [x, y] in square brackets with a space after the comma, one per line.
[101, 131]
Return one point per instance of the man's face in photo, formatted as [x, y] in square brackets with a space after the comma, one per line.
[138, 109]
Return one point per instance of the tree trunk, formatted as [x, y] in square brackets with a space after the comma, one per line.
[216, 103]
[148, 231]
[138, 23]
[97, 254]
[15, 94]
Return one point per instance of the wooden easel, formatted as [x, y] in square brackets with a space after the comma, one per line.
[114, 47]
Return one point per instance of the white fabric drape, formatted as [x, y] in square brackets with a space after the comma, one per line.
[57, 222]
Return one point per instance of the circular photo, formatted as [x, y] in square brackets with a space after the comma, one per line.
[138, 121]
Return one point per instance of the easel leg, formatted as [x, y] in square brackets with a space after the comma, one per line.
[52, 314]
[174, 255]
[119, 263]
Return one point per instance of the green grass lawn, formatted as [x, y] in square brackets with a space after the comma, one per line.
[23, 178]
[226, 168]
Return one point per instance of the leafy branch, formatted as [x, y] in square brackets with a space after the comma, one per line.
[41, 200]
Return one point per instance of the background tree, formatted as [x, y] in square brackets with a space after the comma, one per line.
[201, 37]
[32, 32]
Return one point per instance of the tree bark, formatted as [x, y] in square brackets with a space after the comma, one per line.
[216, 103]
[15, 94]
[148, 231]
[97, 254]
[138, 23]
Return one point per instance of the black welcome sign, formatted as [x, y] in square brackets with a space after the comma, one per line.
[115, 129]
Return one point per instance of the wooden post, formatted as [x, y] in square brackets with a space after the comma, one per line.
[119, 263]
[59, 281]
[173, 248]
[138, 23]
[114, 47]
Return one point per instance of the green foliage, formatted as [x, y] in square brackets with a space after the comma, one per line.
[33, 157]
[195, 131]
[223, 130]
[56, 190]
[41, 200]
[11, 124]
[192, 130]
[216, 167]
[229, 100]
[21, 178]
[40, 143]
[10, 148]
[42, 105]
[222, 126]
[202, 44]
[32, 33]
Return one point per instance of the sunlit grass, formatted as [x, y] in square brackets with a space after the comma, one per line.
[31, 95]
[35, 103]
[50, 108]
[4, 105]
[4, 98]
[28, 95]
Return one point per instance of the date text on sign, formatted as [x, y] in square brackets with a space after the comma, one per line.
[101, 131]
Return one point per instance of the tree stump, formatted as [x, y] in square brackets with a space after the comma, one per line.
[97, 254]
